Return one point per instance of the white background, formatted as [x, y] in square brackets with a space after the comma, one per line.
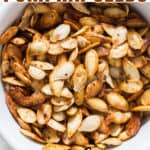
[3, 145]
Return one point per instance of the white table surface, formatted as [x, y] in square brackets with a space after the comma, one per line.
[4, 145]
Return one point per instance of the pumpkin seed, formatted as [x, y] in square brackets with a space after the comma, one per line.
[81, 8]
[90, 123]
[60, 33]
[44, 113]
[115, 12]
[117, 101]
[36, 73]
[74, 123]
[32, 136]
[27, 115]
[97, 104]
[135, 40]
[8, 34]
[91, 63]
[56, 125]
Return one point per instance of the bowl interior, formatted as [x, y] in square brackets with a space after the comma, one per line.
[9, 128]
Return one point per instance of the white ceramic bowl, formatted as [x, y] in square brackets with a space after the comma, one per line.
[9, 129]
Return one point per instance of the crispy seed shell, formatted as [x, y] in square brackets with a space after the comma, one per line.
[74, 123]
[81, 7]
[90, 123]
[32, 136]
[91, 63]
[8, 34]
[55, 147]
[114, 12]
[27, 115]
[135, 40]
[97, 104]
[60, 33]
[117, 101]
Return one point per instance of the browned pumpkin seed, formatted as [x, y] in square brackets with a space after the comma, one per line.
[90, 123]
[119, 51]
[81, 31]
[56, 125]
[82, 42]
[69, 43]
[115, 12]
[123, 136]
[37, 131]
[79, 97]
[59, 116]
[97, 104]
[145, 70]
[8, 34]
[91, 63]
[117, 101]
[141, 108]
[72, 111]
[93, 88]
[131, 86]
[119, 117]
[73, 25]
[77, 148]
[55, 147]
[119, 34]
[81, 7]
[112, 141]
[55, 49]
[59, 7]
[79, 78]
[27, 115]
[13, 109]
[63, 71]
[99, 137]
[64, 107]
[81, 140]
[136, 23]
[131, 70]
[32, 136]
[88, 47]
[145, 97]
[60, 33]
[36, 73]
[50, 135]
[74, 55]
[88, 21]
[42, 65]
[44, 113]
[12, 81]
[74, 123]
[46, 90]
[40, 8]
[135, 40]
[116, 130]
[139, 61]
[18, 41]
[48, 20]
[133, 125]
